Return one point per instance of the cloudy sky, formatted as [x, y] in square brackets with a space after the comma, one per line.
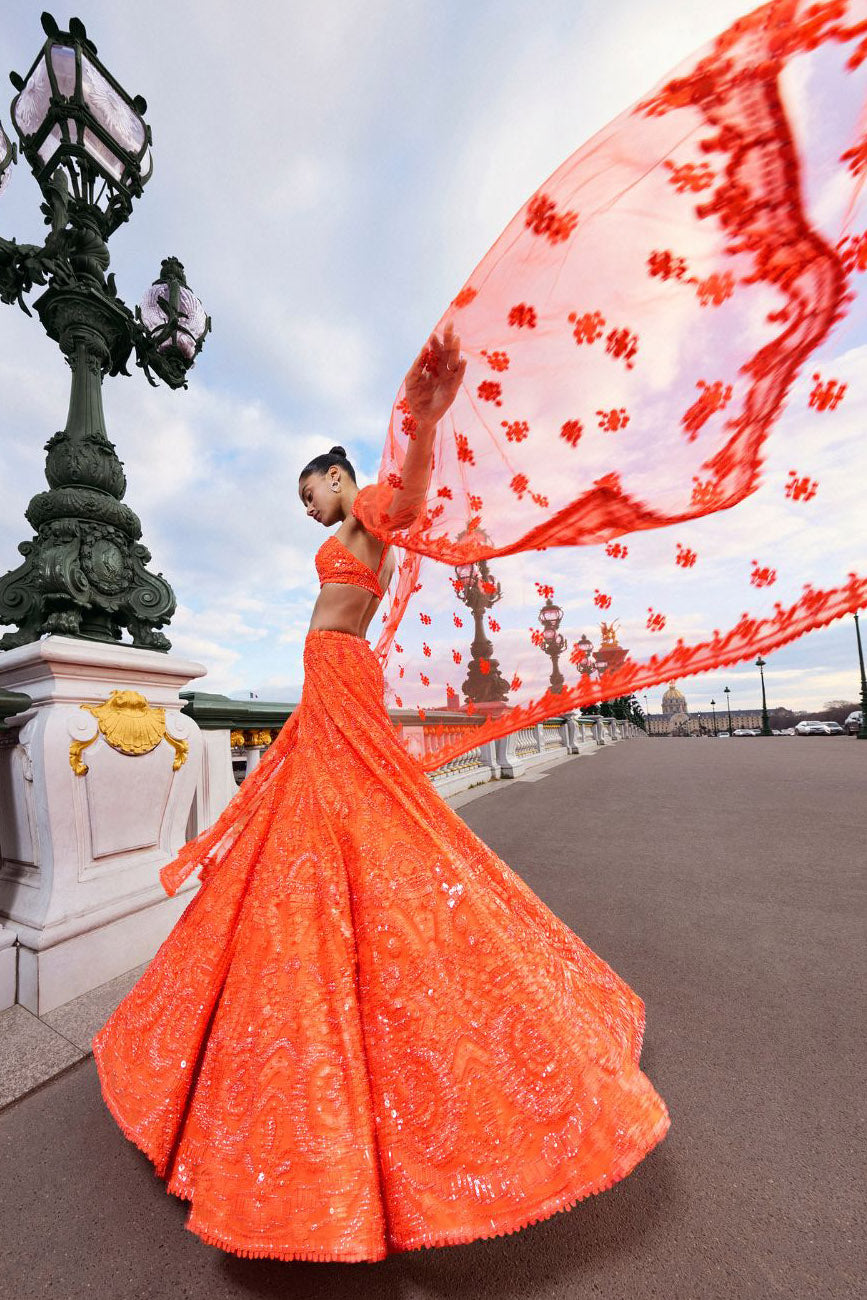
[329, 174]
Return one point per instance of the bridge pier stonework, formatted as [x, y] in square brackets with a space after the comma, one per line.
[98, 784]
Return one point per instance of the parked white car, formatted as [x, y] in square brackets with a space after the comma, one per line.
[746, 731]
[812, 728]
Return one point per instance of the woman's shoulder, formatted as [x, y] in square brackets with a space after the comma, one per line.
[366, 545]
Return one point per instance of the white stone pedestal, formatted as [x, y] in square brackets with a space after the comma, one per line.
[80, 854]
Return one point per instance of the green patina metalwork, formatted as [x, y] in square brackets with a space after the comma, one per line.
[84, 573]
[12, 702]
[477, 590]
[218, 713]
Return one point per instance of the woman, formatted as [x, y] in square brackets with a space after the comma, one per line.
[431, 384]
[366, 1034]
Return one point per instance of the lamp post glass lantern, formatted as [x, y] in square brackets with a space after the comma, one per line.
[89, 148]
[176, 324]
[8, 154]
[71, 114]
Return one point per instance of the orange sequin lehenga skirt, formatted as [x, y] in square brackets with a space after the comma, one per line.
[366, 1034]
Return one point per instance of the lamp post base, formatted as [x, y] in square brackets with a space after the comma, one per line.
[98, 789]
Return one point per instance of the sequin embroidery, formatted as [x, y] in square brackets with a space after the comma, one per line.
[336, 563]
[366, 1033]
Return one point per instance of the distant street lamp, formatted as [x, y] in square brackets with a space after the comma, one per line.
[586, 662]
[713, 707]
[553, 642]
[862, 730]
[89, 148]
[484, 684]
[727, 694]
[766, 722]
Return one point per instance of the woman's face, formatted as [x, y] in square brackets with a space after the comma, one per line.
[317, 497]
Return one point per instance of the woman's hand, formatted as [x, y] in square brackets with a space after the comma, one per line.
[434, 377]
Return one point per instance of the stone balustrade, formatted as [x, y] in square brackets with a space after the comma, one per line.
[249, 726]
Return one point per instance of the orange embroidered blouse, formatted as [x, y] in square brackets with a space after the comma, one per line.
[336, 563]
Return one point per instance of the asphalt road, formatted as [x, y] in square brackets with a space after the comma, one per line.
[725, 881]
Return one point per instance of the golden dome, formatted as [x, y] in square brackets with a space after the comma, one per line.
[673, 701]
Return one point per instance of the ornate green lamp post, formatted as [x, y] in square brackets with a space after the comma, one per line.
[583, 656]
[553, 642]
[585, 661]
[88, 145]
[713, 708]
[484, 684]
[862, 730]
[766, 722]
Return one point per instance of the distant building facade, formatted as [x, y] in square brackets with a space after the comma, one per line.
[676, 719]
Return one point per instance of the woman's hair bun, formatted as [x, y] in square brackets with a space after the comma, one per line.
[322, 464]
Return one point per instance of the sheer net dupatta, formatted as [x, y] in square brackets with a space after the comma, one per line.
[251, 807]
[660, 430]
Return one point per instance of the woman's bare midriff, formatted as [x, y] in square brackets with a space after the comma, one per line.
[340, 607]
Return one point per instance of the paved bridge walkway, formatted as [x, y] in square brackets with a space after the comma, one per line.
[724, 880]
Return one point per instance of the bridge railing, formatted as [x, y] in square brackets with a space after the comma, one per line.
[249, 727]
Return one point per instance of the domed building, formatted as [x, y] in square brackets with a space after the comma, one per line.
[676, 719]
[674, 711]
[673, 701]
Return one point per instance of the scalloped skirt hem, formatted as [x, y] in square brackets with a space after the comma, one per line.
[430, 1241]
[424, 1241]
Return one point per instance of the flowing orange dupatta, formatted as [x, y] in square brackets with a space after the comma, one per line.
[662, 419]
[661, 422]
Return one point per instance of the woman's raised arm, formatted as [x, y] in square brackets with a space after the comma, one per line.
[431, 384]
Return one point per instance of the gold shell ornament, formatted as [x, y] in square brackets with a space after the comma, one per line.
[251, 738]
[131, 726]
